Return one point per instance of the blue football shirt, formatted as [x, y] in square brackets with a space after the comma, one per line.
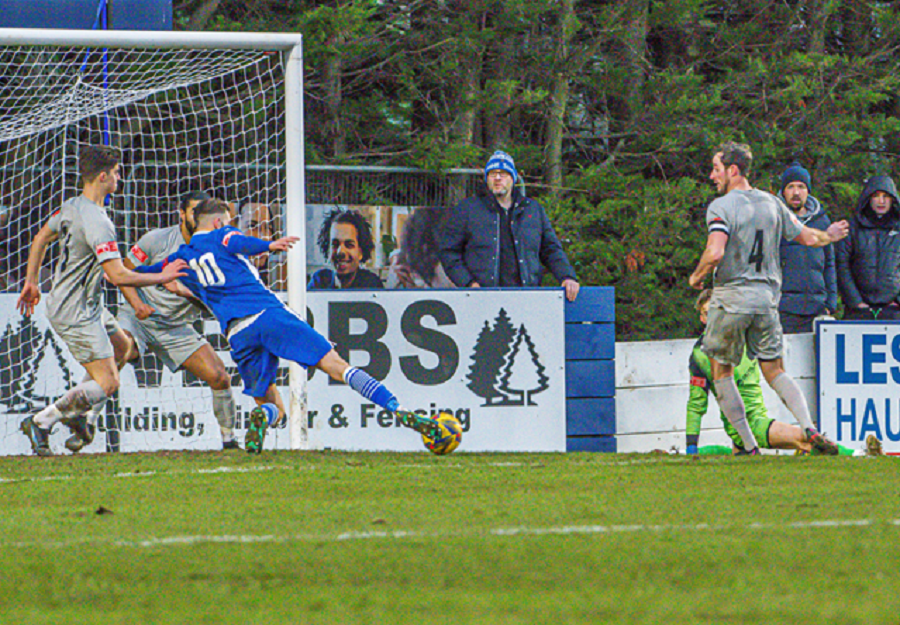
[222, 277]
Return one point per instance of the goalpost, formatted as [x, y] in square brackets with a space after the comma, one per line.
[214, 112]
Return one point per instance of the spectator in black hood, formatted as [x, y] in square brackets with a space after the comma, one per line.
[868, 260]
[809, 284]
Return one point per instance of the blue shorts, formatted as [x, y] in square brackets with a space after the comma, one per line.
[276, 333]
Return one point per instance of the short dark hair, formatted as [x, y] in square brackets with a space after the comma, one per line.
[739, 154]
[96, 159]
[211, 206]
[193, 196]
[344, 216]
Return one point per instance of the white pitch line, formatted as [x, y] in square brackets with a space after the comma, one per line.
[214, 470]
[226, 469]
[499, 532]
[46, 478]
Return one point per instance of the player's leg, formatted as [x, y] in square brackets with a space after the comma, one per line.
[765, 341]
[208, 367]
[790, 436]
[104, 380]
[258, 368]
[272, 406]
[288, 336]
[373, 390]
[723, 342]
[339, 369]
[91, 346]
[269, 412]
[84, 425]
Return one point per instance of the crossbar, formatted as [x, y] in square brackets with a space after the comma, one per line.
[148, 39]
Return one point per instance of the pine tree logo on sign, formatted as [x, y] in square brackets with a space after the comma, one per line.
[506, 369]
[37, 371]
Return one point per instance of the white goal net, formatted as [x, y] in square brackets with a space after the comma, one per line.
[186, 118]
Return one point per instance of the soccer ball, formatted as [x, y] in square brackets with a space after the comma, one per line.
[450, 437]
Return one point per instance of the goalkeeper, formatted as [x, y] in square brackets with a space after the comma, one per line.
[769, 433]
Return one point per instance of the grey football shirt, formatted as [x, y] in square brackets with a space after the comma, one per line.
[748, 278]
[153, 247]
[87, 240]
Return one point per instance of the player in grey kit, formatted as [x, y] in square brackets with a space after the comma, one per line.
[88, 252]
[745, 226]
[161, 322]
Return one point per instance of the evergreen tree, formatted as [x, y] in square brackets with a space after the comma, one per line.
[615, 106]
[524, 374]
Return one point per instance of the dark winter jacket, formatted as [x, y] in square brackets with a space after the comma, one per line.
[868, 260]
[809, 282]
[470, 242]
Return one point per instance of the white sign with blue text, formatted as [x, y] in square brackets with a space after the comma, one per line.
[859, 381]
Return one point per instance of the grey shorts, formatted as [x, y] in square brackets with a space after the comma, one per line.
[89, 342]
[728, 333]
[171, 344]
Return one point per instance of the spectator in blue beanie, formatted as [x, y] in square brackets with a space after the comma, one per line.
[503, 239]
[809, 286]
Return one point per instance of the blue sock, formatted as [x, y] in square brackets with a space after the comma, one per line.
[271, 411]
[370, 388]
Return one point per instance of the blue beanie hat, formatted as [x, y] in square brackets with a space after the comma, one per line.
[795, 173]
[501, 160]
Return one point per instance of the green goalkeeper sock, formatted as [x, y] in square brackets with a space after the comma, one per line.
[844, 451]
[715, 450]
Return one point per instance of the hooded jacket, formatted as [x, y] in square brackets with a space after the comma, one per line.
[470, 242]
[868, 260]
[809, 282]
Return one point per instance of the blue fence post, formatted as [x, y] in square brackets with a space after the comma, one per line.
[590, 335]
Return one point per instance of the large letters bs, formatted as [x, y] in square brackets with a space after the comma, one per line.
[376, 321]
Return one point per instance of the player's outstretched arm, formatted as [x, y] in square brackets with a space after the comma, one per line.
[820, 238]
[118, 274]
[238, 243]
[283, 244]
[31, 291]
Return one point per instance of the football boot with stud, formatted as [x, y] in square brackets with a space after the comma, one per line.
[425, 426]
[256, 430]
[37, 436]
[82, 432]
[820, 444]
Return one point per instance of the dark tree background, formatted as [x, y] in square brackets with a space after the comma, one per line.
[611, 109]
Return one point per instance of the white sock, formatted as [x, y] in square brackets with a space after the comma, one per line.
[47, 417]
[93, 415]
[793, 398]
[226, 413]
[732, 406]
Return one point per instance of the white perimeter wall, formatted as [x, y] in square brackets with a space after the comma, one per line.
[652, 392]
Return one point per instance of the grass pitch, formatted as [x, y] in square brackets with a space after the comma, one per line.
[308, 537]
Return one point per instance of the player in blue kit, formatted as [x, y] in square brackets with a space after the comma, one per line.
[260, 329]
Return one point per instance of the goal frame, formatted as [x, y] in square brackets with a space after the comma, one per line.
[291, 47]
